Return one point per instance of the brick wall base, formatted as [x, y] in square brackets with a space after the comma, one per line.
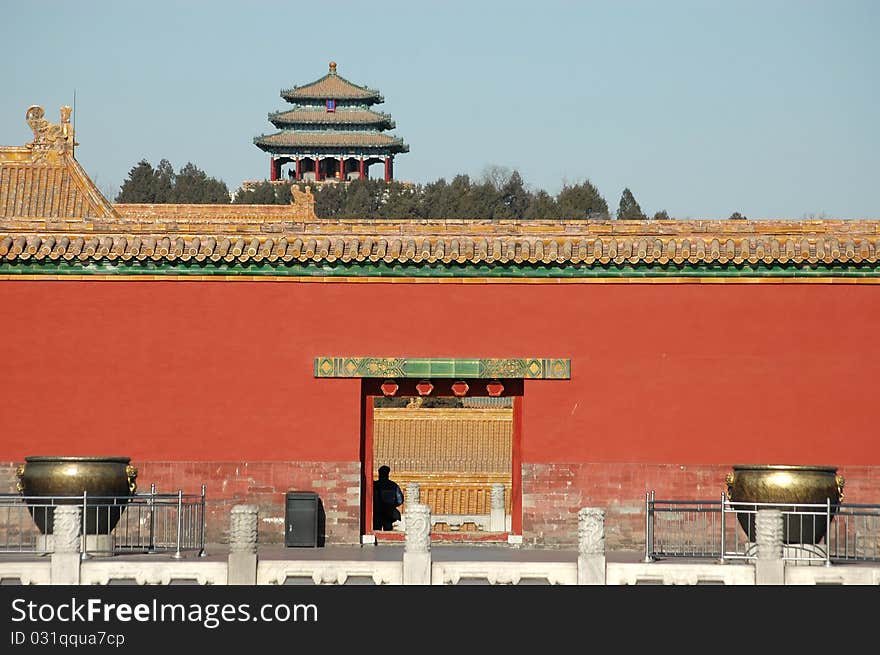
[8, 478]
[259, 483]
[552, 494]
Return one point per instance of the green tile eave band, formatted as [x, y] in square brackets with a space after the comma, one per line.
[440, 270]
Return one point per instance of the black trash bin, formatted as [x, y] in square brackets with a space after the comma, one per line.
[302, 520]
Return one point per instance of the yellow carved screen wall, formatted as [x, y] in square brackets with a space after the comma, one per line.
[454, 454]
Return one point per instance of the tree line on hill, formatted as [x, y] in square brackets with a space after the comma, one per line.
[498, 194]
[189, 185]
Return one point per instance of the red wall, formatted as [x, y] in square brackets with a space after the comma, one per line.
[223, 371]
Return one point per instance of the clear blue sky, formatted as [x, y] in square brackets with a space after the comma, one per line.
[700, 107]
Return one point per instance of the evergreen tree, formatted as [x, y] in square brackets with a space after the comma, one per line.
[358, 202]
[164, 180]
[400, 202]
[736, 216]
[581, 201]
[482, 201]
[161, 185]
[629, 209]
[514, 199]
[460, 190]
[139, 186]
[261, 193]
[438, 200]
[329, 200]
[243, 196]
[661, 216]
[283, 194]
[192, 185]
[541, 206]
[264, 194]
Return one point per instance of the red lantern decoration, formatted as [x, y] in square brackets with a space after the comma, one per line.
[495, 388]
[389, 387]
[460, 388]
[425, 388]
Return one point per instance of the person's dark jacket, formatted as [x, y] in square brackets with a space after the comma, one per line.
[387, 497]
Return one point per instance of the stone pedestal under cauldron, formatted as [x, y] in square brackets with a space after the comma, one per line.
[108, 482]
[785, 484]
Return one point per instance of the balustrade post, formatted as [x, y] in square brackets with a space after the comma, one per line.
[769, 565]
[591, 546]
[412, 497]
[66, 545]
[417, 549]
[497, 518]
[243, 536]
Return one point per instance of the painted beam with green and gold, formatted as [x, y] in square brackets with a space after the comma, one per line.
[527, 368]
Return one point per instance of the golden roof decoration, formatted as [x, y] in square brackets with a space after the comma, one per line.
[49, 136]
[43, 179]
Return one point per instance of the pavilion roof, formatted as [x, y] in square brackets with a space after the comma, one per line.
[332, 86]
[330, 139]
[342, 116]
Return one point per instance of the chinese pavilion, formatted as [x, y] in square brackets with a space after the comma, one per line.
[331, 132]
[262, 349]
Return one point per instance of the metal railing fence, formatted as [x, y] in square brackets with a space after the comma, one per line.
[725, 530]
[142, 523]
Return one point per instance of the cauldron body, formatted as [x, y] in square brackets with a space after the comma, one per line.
[48, 476]
[779, 483]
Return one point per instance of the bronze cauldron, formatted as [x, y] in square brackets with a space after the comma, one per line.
[777, 483]
[71, 476]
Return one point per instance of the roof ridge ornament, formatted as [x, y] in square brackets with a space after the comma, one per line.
[303, 201]
[333, 68]
[50, 136]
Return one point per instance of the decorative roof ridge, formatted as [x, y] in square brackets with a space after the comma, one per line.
[88, 188]
[298, 217]
[44, 177]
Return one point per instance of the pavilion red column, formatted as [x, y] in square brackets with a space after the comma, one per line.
[317, 169]
[342, 168]
[361, 168]
[298, 169]
[273, 171]
[388, 169]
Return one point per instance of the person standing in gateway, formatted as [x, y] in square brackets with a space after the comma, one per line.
[387, 497]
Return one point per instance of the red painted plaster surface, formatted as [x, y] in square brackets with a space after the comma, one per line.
[675, 373]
